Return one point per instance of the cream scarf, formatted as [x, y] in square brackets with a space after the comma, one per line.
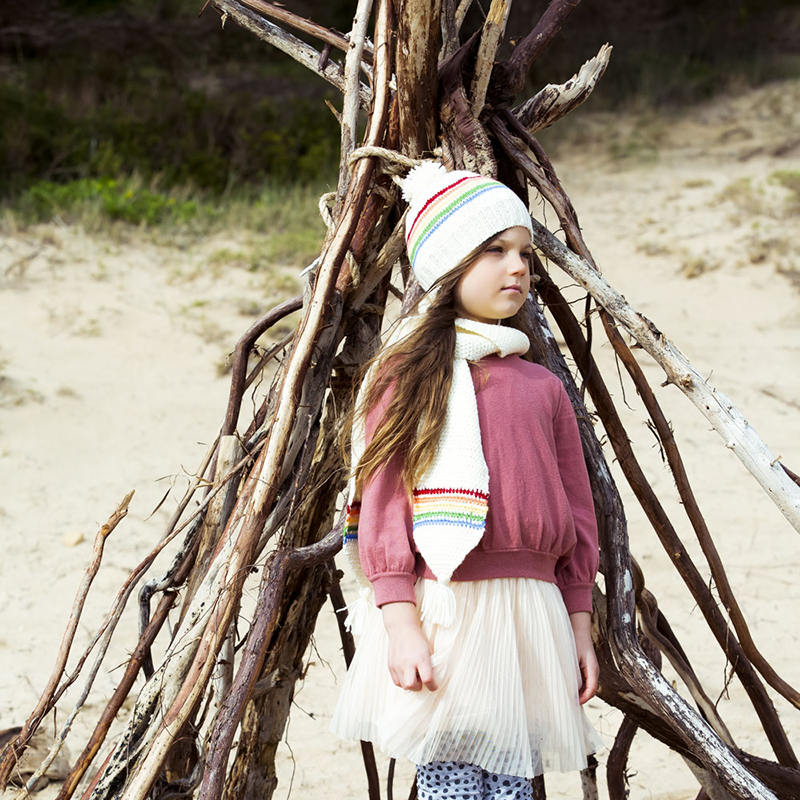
[452, 498]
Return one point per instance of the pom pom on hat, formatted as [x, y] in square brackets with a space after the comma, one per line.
[450, 214]
[419, 180]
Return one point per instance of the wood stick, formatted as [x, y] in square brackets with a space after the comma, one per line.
[241, 353]
[660, 521]
[536, 42]
[461, 13]
[737, 433]
[331, 37]
[692, 509]
[720, 411]
[417, 32]
[349, 117]
[111, 710]
[16, 747]
[493, 31]
[555, 100]
[617, 762]
[289, 44]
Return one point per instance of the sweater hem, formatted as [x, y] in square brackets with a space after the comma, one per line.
[516, 563]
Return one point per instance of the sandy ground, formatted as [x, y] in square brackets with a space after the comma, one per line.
[110, 381]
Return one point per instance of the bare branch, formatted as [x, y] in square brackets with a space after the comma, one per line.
[461, 13]
[241, 353]
[537, 41]
[556, 100]
[15, 748]
[493, 31]
[289, 44]
[349, 117]
[737, 433]
[332, 38]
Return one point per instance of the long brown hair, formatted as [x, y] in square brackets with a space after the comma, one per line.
[419, 370]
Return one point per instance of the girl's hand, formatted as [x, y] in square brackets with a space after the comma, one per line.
[409, 652]
[587, 661]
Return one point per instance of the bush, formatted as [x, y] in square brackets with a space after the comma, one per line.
[116, 199]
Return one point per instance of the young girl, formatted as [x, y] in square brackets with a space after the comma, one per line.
[471, 516]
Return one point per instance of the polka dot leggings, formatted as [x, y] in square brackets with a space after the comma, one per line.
[455, 780]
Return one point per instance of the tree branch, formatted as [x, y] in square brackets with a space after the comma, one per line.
[331, 37]
[289, 44]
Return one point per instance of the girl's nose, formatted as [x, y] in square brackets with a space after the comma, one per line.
[519, 264]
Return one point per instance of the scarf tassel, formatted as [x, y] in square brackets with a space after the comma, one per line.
[358, 611]
[439, 605]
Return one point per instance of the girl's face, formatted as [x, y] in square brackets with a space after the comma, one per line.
[496, 286]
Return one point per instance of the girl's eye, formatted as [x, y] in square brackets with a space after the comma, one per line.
[494, 249]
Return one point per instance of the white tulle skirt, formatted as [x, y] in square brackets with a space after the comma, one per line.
[508, 685]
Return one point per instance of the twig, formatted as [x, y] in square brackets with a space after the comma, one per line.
[332, 38]
[618, 760]
[555, 100]
[349, 117]
[449, 30]
[113, 706]
[461, 13]
[493, 30]
[536, 42]
[652, 622]
[692, 509]
[289, 44]
[15, 748]
[241, 353]
[723, 415]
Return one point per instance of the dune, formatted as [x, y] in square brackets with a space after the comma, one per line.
[110, 354]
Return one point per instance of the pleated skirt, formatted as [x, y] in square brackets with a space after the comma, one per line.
[508, 681]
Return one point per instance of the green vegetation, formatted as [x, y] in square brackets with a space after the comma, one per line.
[642, 142]
[123, 200]
[283, 221]
[789, 180]
[156, 128]
[744, 195]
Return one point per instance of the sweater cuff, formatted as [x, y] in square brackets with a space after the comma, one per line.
[577, 597]
[394, 587]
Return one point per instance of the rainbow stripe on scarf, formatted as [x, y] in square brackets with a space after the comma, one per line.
[350, 532]
[466, 508]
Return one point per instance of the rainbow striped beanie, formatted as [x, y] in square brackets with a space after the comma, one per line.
[451, 214]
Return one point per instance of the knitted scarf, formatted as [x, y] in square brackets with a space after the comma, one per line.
[451, 500]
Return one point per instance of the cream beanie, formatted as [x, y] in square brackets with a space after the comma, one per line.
[452, 213]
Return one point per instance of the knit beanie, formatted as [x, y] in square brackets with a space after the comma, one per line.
[450, 214]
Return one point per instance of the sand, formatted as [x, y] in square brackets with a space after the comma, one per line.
[110, 354]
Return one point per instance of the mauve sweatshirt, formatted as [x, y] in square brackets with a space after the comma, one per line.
[541, 521]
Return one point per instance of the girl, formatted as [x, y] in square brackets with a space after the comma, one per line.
[471, 516]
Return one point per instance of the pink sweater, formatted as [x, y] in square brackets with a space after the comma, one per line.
[541, 521]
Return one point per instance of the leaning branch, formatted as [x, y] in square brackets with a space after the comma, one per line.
[15, 748]
[289, 44]
[719, 410]
[555, 100]
[492, 35]
[328, 35]
[537, 41]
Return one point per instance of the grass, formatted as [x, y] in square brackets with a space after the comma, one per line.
[642, 142]
[695, 266]
[284, 220]
[789, 180]
[744, 195]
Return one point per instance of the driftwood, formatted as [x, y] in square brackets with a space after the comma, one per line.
[271, 481]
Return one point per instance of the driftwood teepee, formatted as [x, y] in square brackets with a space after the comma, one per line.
[269, 485]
